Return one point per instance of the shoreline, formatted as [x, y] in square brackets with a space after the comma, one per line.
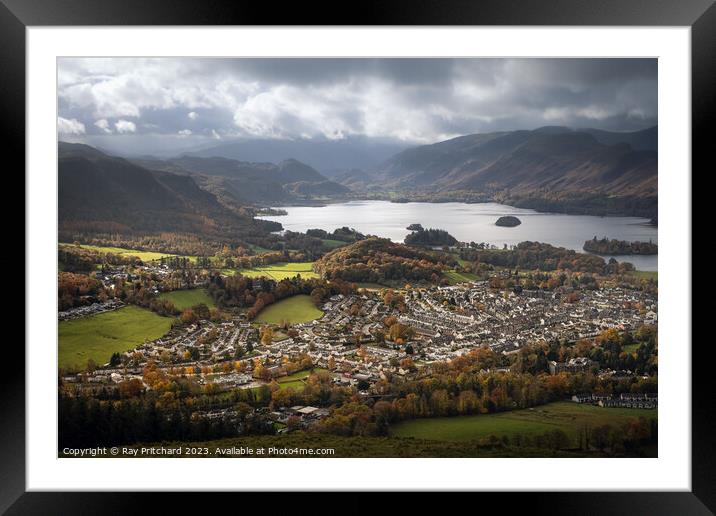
[301, 219]
[648, 220]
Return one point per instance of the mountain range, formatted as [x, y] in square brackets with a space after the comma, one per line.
[326, 156]
[548, 169]
[240, 183]
[551, 169]
[549, 159]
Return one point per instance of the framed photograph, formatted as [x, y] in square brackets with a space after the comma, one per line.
[416, 249]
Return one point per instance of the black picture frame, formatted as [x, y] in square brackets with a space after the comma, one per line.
[700, 15]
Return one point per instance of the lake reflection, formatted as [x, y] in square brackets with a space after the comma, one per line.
[472, 222]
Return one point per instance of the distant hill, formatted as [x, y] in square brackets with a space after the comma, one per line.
[101, 193]
[323, 155]
[648, 139]
[355, 179]
[238, 183]
[545, 168]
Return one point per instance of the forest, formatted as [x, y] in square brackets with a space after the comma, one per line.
[536, 255]
[617, 247]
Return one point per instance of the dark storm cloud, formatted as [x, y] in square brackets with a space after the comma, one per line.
[414, 100]
[322, 70]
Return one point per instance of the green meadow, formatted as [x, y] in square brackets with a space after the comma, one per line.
[631, 348]
[260, 250]
[647, 275]
[145, 256]
[294, 309]
[568, 416]
[371, 286]
[455, 277]
[333, 244]
[279, 271]
[362, 446]
[96, 337]
[184, 299]
[295, 380]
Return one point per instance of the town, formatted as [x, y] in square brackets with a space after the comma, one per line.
[352, 340]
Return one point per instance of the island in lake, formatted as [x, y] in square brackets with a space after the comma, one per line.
[508, 221]
[614, 246]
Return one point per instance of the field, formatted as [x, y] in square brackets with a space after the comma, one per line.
[295, 380]
[295, 309]
[279, 271]
[183, 299]
[460, 261]
[98, 336]
[371, 286]
[359, 447]
[145, 256]
[631, 348]
[565, 415]
[332, 244]
[647, 275]
[460, 277]
[260, 250]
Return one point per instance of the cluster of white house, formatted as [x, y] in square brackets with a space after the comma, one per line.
[448, 322]
[625, 400]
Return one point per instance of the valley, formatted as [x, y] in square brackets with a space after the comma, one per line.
[244, 299]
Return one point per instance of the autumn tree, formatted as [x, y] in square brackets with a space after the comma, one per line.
[266, 335]
[188, 316]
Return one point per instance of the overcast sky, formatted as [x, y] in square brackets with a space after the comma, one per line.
[180, 102]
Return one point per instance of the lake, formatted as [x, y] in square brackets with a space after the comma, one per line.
[472, 223]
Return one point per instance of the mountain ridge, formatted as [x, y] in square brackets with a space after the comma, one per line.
[529, 168]
[325, 156]
[102, 193]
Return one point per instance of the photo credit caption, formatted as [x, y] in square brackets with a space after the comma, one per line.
[199, 451]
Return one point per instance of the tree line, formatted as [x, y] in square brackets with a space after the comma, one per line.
[617, 247]
[258, 293]
[537, 255]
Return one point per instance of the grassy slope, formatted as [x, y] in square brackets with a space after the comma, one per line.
[260, 250]
[460, 277]
[333, 244]
[187, 298]
[279, 271]
[98, 336]
[568, 416]
[295, 309]
[145, 256]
